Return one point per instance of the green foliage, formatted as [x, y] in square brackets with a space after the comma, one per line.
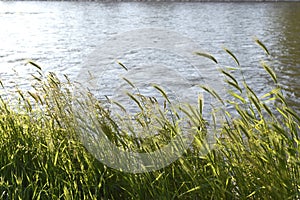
[256, 155]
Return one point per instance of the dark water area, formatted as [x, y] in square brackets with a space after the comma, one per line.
[62, 37]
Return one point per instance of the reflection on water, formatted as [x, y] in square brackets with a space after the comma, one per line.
[288, 66]
[61, 35]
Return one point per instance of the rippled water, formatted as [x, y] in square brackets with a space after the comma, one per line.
[63, 37]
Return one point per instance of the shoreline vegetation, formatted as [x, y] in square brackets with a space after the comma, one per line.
[255, 155]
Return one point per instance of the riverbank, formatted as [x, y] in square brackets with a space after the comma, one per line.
[256, 153]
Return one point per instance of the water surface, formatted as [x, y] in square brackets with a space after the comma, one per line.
[60, 36]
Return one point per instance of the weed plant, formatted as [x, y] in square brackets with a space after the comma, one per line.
[256, 155]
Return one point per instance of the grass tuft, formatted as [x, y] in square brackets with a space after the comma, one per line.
[255, 156]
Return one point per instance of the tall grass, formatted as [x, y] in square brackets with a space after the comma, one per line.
[256, 155]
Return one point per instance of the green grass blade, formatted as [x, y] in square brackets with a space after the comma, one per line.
[213, 93]
[122, 65]
[270, 71]
[129, 82]
[136, 101]
[1, 84]
[232, 55]
[234, 85]
[262, 45]
[207, 55]
[120, 106]
[34, 64]
[235, 95]
[162, 92]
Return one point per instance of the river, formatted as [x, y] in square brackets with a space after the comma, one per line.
[77, 37]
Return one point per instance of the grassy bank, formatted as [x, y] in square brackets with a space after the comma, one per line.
[256, 155]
